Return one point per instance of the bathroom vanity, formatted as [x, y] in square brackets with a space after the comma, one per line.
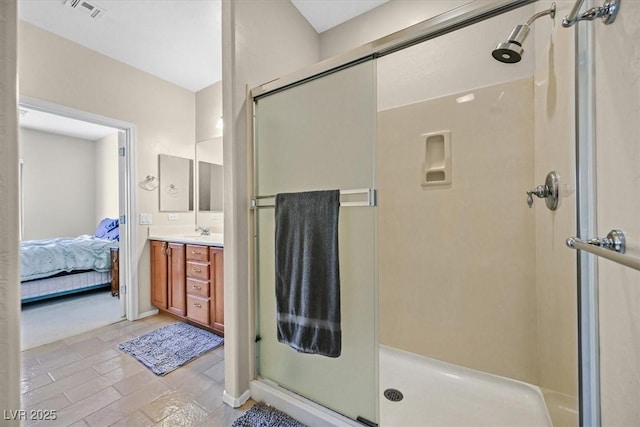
[187, 279]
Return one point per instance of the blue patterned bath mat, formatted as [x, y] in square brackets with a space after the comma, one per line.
[167, 348]
[261, 415]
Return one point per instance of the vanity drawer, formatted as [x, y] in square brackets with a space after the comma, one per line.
[197, 253]
[198, 287]
[198, 309]
[197, 270]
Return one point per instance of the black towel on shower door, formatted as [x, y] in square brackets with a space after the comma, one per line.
[307, 272]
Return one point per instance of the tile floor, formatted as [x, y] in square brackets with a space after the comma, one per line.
[89, 382]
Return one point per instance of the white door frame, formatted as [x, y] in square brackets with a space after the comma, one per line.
[126, 190]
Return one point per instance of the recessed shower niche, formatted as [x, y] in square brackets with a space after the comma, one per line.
[436, 169]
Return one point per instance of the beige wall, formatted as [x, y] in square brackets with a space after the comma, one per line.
[164, 114]
[9, 253]
[618, 156]
[59, 185]
[260, 42]
[457, 281]
[208, 111]
[381, 21]
[106, 170]
[555, 263]
[417, 291]
[62, 173]
[429, 70]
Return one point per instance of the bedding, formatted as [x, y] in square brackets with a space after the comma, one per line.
[44, 258]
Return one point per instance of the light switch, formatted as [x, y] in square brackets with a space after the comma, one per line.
[145, 219]
[172, 217]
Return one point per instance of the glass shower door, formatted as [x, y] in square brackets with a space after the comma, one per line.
[617, 136]
[320, 135]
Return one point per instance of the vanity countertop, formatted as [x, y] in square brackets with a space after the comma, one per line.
[213, 239]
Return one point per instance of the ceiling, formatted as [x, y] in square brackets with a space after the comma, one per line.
[326, 14]
[176, 40]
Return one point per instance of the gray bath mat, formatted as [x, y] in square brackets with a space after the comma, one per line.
[261, 415]
[167, 348]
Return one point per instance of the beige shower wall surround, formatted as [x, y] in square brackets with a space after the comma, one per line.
[457, 281]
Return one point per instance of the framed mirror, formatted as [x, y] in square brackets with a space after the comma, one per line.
[176, 183]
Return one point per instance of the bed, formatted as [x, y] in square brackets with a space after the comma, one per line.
[66, 265]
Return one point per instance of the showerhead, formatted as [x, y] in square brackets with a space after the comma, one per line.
[511, 51]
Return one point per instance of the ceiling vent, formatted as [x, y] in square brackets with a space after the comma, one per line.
[85, 7]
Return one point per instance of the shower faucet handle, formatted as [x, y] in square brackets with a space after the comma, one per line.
[541, 191]
[548, 192]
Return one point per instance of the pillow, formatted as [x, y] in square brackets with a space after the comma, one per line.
[106, 225]
[113, 234]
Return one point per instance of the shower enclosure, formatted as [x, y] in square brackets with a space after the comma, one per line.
[460, 299]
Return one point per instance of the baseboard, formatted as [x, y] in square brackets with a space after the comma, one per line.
[236, 402]
[148, 313]
[300, 408]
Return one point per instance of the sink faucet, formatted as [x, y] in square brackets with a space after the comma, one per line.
[203, 231]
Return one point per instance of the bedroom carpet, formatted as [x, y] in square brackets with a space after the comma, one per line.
[48, 321]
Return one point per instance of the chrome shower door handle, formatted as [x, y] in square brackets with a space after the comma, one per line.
[548, 192]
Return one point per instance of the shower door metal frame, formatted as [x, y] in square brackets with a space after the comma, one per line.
[587, 286]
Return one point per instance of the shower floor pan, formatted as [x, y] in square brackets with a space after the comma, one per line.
[436, 393]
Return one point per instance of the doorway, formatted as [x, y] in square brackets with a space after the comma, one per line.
[121, 201]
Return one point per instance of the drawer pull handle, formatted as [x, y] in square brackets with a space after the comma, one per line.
[196, 270]
[197, 304]
[197, 287]
[196, 253]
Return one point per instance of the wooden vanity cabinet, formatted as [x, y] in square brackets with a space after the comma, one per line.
[217, 289]
[159, 279]
[176, 287]
[198, 284]
[193, 285]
